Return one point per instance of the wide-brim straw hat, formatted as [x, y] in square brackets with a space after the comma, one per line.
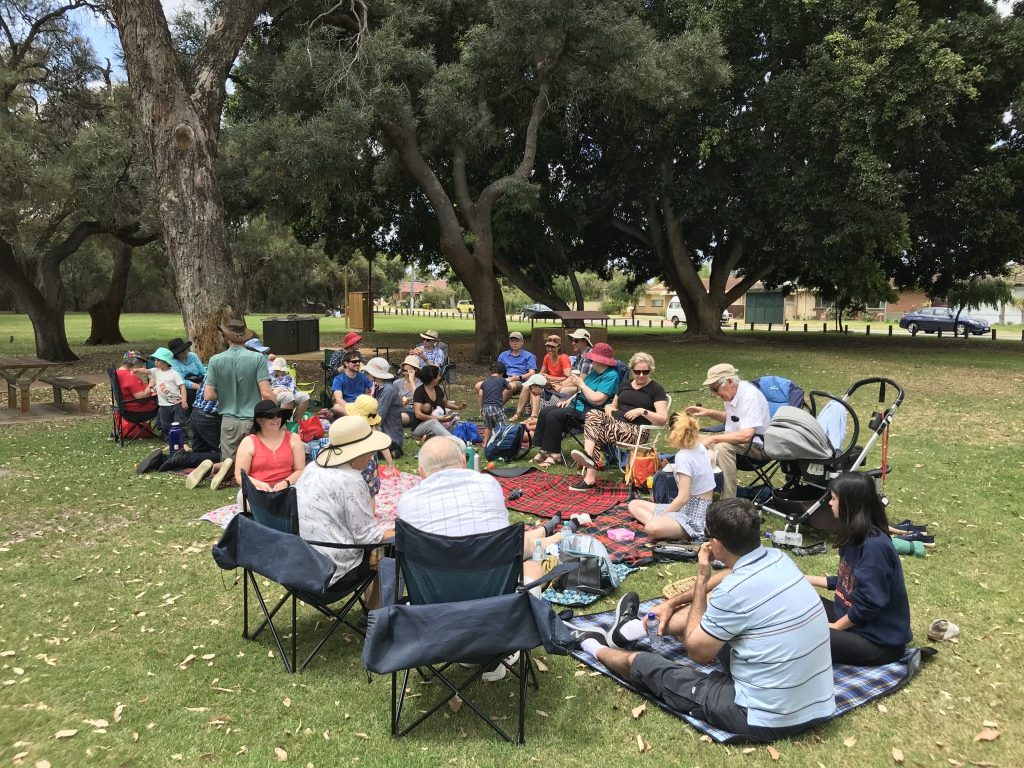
[351, 437]
[430, 336]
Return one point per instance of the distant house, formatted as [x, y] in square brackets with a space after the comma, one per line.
[1006, 313]
[418, 286]
[656, 297]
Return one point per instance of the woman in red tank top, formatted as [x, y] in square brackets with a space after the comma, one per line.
[271, 456]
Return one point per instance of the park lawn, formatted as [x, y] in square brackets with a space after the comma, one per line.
[110, 586]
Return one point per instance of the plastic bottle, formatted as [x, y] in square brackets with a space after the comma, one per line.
[652, 631]
[175, 438]
[538, 551]
[471, 459]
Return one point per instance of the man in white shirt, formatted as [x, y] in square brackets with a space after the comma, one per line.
[746, 417]
[455, 501]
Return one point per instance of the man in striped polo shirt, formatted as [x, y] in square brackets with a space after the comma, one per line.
[763, 622]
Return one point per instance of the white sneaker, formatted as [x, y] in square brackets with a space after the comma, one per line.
[494, 675]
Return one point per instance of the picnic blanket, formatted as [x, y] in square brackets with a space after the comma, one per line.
[855, 686]
[392, 486]
[633, 552]
[546, 494]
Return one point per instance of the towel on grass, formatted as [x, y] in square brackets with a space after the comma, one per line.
[855, 686]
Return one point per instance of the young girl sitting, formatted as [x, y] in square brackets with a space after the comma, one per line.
[683, 517]
[870, 615]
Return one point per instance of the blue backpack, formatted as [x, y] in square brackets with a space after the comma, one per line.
[467, 432]
[506, 443]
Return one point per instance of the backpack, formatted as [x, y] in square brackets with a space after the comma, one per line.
[467, 432]
[506, 443]
[595, 576]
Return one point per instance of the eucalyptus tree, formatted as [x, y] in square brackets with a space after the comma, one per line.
[851, 132]
[417, 123]
[61, 181]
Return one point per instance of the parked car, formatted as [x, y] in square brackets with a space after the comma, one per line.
[464, 307]
[532, 310]
[675, 313]
[932, 319]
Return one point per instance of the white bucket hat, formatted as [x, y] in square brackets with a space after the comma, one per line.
[379, 368]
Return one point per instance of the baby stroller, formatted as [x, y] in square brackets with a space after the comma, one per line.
[813, 448]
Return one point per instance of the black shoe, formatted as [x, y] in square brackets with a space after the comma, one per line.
[579, 635]
[627, 610]
[552, 525]
[582, 485]
[817, 549]
[152, 463]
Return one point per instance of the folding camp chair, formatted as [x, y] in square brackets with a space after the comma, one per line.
[646, 439]
[469, 590]
[139, 422]
[447, 367]
[271, 546]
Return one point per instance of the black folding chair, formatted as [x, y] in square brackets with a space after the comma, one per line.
[469, 590]
[447, 366]
[141, 421]
[274, 549]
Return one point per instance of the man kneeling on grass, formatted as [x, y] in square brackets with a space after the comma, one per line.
[763, 622]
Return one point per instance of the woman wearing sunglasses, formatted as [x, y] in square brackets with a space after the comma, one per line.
[640, 401]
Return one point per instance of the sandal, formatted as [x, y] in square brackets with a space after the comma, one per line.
[539, 457]
[549, 461]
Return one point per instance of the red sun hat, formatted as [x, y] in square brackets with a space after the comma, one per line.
[602, 353]
[351, 338]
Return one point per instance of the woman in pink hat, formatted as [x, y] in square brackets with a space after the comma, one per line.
[593, 391]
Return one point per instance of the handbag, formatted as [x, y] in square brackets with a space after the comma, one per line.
[641, 466]
[310, 429]
[594, 575]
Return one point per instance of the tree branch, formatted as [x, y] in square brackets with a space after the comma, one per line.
[228, 31]
[461, 186]
[747, 283]
[18, 50]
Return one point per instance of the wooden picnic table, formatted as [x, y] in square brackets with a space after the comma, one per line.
[19, 373]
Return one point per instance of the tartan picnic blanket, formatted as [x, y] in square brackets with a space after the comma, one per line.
[630, 552]
[546, 494]
[855, 686]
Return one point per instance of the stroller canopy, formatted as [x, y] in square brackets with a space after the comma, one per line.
[795, 434]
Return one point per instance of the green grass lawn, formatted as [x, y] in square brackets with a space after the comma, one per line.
[109, 586]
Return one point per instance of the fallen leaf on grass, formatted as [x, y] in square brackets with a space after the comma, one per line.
[118, 710]
[897, 755]
[280, 755]
[850, 741]
[542, 713]
[990, 723]
[184, 663]
[65, 733]
[541, 666]
[639, 710]
[988, 734]
[286, 701]
[773, 753]
[883, 709]
[641, 745]
[42, 764]
[749, 750]
[455, 704]
[99, 723]
[361, 735]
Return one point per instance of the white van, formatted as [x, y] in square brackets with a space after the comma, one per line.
[674, 312]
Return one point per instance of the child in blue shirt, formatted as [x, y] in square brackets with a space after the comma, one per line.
[490, 393]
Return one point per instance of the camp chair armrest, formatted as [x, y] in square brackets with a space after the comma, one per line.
[557, 572]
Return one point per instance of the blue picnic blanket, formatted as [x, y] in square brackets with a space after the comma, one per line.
[855, 686]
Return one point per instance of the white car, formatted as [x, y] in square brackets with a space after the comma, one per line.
[675, 313]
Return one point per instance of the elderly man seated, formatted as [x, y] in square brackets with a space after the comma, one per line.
[455, 501]
[761, 619]
[746, 417]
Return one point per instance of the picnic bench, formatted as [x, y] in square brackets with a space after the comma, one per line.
[60, 383]
[19, 373]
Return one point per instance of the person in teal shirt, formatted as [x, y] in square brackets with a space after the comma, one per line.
[599, 387]
[188, 365]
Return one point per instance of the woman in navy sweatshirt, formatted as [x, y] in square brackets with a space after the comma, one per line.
[870, 615]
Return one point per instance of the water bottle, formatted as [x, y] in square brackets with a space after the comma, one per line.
[175, 438]
[652, 631]
[470, 457]
[538, 551]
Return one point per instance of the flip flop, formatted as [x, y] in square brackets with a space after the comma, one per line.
[942, 629]
[676, 588]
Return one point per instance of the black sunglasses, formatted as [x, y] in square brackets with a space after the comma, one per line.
[641, 371]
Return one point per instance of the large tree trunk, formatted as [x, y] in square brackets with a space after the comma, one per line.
[183, 130]
[105, 314]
